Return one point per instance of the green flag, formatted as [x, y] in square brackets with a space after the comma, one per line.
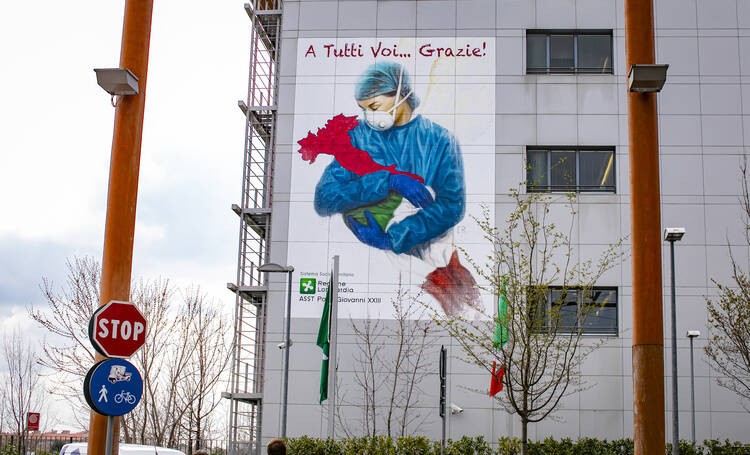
[501, 329]
[501, 337]
[324, 341]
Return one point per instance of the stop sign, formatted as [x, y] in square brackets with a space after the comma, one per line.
[117, 329]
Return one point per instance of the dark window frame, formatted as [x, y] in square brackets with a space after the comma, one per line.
[608, 331]
[574, 186]
[576, 69]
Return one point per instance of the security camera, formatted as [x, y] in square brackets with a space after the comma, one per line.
[456, 409]
[282, 345]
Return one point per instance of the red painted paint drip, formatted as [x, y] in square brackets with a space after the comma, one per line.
[333, 139]
[452, 286]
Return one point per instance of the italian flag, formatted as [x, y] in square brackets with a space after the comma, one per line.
[324, 341]
[501, 337]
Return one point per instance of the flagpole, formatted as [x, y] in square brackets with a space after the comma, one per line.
[332, 348]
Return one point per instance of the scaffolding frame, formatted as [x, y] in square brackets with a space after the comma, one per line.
[254, 211]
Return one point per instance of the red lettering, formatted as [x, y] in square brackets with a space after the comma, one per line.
[426, 52]
[310, 50]
[376, 52]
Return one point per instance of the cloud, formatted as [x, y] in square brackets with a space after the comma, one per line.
[58, 133]
[23, 263]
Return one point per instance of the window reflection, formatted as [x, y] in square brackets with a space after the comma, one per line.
[551, 169]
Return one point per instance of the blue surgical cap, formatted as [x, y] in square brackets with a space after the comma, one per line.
[381, 78]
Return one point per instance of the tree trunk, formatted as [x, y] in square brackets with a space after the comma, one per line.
[524, 437]
[198, 439]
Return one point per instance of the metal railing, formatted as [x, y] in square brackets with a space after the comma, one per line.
[246, 383]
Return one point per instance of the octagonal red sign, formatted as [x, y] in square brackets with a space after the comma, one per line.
[117, 329]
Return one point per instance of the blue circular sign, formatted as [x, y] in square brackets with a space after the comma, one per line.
[113, 387]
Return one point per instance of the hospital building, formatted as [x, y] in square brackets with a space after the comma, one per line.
[489, 95]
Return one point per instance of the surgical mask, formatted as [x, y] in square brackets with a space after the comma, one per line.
[384, 120]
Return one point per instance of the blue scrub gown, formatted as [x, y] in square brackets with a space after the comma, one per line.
[419, 147]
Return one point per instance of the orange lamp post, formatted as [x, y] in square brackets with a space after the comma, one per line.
[648, 339]
[123, 182]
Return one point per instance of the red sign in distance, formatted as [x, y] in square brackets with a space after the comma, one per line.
[117, 329]
[32, 421]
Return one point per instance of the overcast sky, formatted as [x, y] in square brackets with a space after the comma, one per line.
[56, 135]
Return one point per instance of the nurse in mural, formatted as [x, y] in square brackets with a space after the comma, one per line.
[398, 180]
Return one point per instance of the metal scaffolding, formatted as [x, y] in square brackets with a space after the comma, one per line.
[246, 382]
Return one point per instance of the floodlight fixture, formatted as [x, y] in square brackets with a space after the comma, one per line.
[117, 81]
[647, 78]
[693, 333]
[673, 234]
[272, 267]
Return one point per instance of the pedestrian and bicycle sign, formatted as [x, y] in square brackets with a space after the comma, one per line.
[113, 387]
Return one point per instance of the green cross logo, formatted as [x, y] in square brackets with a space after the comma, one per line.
[307, 286]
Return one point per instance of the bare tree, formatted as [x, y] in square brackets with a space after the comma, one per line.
[146, 424]
[387, 381]
[22, 391]
[181, 363]
[534, 262]
[208, 364]
[728, 348]
[67, 317]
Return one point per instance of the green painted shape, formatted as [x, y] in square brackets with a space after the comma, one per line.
[382, 211]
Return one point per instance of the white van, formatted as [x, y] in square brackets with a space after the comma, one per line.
[81, 448]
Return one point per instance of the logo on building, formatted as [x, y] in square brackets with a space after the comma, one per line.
[307, 285]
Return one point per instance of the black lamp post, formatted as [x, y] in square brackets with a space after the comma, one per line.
[672, 235]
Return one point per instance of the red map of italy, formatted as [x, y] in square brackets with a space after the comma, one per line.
[333, 139]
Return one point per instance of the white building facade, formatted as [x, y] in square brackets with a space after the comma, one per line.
[548, 80]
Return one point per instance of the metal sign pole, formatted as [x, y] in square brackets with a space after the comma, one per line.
[332, 349]
[110, 431]
[443, 375]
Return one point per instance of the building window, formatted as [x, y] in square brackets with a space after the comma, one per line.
[594, 311]
[577, 169]
[569, 51]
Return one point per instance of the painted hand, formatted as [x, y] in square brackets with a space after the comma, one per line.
[371, 233]
[411, 188]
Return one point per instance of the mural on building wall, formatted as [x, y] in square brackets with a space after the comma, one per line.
[394, 147]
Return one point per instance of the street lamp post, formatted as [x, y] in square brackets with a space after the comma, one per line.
[672, 235]
[692, 334]
[276, 268]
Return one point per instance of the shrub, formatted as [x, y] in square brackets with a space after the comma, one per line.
[468, 446]
[313, 446]
[715, 447]
[508, 446]
[420, 445]
[380, 445]
[9, 449]
[415, 446]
